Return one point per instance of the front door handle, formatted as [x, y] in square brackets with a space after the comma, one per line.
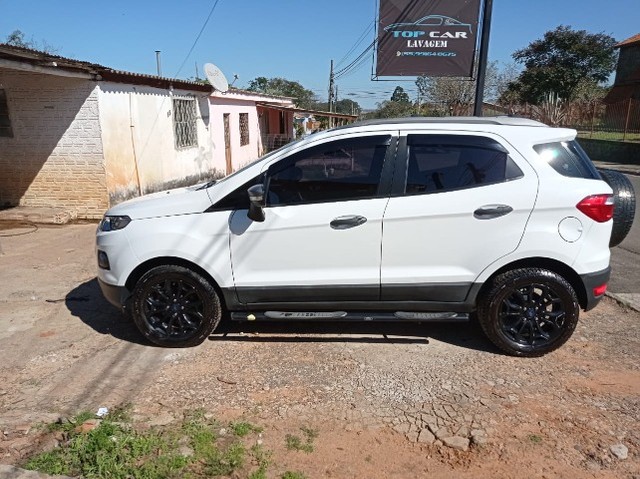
[346, 222]
[488, 212]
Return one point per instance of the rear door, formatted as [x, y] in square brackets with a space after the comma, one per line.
[461, 202]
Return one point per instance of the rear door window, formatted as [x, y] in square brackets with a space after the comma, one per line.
[439, 163]
[568, 159]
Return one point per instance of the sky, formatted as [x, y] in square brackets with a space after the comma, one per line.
[293, 39]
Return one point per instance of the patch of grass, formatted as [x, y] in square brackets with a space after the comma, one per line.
[115, 449]
[293, 475]
[295, 443]
[67, 425]
[609, 135]
[534, 438]
[262, 459]
[241, 429]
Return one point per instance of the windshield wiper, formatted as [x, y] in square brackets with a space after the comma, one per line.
[206, 185]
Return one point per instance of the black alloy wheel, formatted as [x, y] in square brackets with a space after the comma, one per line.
[175, 306]
[529, 312]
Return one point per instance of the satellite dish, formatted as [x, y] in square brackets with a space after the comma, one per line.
[216, 77]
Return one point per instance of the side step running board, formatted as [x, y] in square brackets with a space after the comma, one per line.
[352, 316]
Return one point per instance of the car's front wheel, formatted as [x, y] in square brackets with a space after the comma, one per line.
[529, 311]
[174, 306]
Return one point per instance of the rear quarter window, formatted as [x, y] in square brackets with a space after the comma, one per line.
[568, 159]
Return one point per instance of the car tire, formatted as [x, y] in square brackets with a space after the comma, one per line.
[625, 205]
[174, 306]
[529, 312]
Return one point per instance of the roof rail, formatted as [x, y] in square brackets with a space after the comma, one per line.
[467, 120]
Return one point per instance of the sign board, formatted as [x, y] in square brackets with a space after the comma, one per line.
[427, 37]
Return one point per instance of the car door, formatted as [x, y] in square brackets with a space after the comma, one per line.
[462, 201]
[320, 239]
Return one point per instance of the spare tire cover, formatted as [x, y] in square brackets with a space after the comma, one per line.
[625, 207]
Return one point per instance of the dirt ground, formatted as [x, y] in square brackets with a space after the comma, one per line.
[388, 400]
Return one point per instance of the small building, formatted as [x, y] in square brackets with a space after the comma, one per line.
[623, 100]
[245, 129]
[81, 136]
[627, 81]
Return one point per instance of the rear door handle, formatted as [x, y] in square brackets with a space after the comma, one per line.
[488, 212]
[346, 222]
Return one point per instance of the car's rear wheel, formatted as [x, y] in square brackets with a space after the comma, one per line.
[174, 306]
[625, 204]
[529, 311]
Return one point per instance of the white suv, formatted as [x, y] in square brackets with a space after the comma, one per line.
[416, 219]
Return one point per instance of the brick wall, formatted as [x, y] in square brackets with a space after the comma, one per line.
[628, 63]
[55, 157]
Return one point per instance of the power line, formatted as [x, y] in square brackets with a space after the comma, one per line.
[195, 42]
[358, 42]
[355, 68]
[351, 65]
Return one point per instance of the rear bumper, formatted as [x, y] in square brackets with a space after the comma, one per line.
[591, 281]
[116, 295]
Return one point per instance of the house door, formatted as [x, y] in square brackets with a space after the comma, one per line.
[227, 143]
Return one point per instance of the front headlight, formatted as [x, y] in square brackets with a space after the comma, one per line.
[112, 223]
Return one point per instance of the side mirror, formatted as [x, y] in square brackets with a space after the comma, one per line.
[256, 203]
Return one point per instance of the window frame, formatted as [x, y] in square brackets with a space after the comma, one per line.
[382, 139]
[580, 161]
[244, 133]
[465, 139]
[188, 126]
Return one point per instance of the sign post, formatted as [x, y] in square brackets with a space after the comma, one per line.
[484, 53]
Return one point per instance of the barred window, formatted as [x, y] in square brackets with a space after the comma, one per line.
[244, 129]
[5, 121]
[184, 123]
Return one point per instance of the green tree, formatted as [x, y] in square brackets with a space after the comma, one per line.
[560, 61]
[393, 109]
[281, 87]
[348, 107]
[399, 95]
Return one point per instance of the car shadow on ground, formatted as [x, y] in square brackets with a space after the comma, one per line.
[463, 334]
[87, 303]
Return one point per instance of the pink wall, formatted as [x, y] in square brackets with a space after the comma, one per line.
[240, 155]
[235, 102]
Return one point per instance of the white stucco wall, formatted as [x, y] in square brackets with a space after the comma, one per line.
[54, 158]
[139, 142]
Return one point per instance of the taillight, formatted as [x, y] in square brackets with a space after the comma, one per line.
[600, 290]
[597, 207]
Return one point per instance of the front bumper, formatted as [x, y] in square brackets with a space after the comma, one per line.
[116, 295]
[591, 281]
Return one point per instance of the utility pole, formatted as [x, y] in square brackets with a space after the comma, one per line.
[331, 91]
[484, 53]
